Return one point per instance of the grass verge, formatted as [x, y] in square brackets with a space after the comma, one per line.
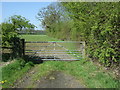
[14, 71]
[89, 75]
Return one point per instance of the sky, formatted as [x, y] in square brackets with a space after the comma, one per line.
[25, 8]
[28, 10]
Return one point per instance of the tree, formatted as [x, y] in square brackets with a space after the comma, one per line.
[11, 28]
[55, 21]
[49, 15]
[20, 23]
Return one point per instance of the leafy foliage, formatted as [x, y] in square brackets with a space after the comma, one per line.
[96, 23]
[55, 21]
[21, 23]
[8, 32]
[11, 28]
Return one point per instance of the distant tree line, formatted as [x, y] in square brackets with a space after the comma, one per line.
[96, 23]
[33, 32]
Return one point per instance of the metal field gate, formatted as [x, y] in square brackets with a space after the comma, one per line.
[55, 50]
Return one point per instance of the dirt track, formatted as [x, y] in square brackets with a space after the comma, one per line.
[56, 79]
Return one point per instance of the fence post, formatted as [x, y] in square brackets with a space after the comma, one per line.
[54, 49]
[16, 47]
[83, 51]
[22, 47]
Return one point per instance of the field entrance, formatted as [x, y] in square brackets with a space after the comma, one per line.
[55, 50]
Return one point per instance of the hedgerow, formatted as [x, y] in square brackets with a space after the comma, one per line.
[96, 23]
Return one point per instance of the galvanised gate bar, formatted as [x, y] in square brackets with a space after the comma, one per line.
[55, 50]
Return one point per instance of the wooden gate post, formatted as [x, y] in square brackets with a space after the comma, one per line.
[83, 50]
[15, 47]
[22, 47]
[18, 47]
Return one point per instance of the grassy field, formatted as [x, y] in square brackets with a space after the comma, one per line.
[70, 46]
[89, 74]
[37, 38]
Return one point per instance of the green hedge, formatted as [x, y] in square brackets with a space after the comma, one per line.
[96, 23]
